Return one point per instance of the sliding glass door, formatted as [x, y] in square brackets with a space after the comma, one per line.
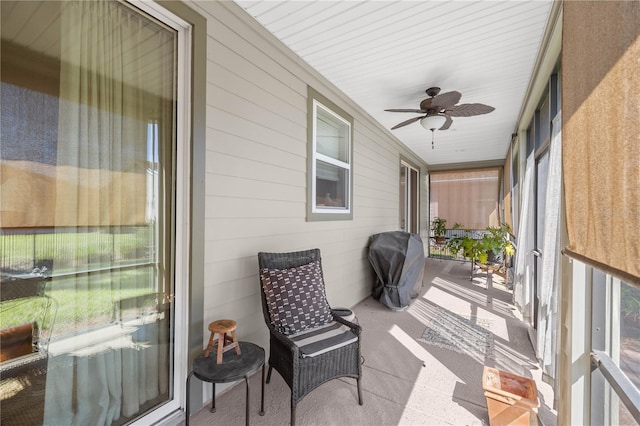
[87, 220]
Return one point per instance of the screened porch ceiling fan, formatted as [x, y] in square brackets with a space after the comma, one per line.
[439, 109]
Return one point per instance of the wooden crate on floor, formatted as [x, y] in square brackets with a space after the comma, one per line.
[511, 399]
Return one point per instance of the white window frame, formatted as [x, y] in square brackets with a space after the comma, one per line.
[315, 212]
[408, 205]
[591, 294]
[605, 352]
[180, 325]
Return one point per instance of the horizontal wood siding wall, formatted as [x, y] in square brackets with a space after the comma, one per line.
[256, 173]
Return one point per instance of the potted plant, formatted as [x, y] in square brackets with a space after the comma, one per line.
[497, 244]
[455, 243]
[439, 228]
[464, 243]
[470, 247]
[494, 244]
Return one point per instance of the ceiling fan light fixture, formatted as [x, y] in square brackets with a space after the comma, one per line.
[433, 122]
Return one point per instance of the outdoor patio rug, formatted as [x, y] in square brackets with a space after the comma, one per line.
[465, 334]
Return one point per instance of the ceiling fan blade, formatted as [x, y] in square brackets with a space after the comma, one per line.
[426, 104]
[468, 110]
[409, 121]
[406, 110]
[447, 123]
[446, 100]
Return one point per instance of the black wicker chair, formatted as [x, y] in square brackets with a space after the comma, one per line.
[304, 374]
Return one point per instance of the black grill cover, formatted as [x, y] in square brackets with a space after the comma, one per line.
[398, 260]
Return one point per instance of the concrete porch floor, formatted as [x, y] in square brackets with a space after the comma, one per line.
[422, 366]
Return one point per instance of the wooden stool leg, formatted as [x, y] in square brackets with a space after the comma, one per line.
[235, 341]
[206, 352]
[220, 349]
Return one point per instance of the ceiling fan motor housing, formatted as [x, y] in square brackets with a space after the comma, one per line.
[433, 91]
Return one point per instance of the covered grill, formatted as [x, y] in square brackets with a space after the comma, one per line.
[398, 260]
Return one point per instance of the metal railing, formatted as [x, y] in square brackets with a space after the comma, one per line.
[619, 382]
[68, 251]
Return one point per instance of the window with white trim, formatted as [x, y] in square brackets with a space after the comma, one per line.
[330, 160]
[615, 347]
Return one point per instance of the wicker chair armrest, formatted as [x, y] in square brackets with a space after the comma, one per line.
[286, 342]
[356, 328]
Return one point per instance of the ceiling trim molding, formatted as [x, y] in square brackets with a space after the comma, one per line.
[547, 59]
[489, 164]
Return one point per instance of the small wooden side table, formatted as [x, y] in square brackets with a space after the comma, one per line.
[233, 368]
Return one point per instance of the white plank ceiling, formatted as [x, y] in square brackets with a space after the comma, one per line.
[385, 54]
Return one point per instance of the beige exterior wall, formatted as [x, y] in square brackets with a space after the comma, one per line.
[256, 173]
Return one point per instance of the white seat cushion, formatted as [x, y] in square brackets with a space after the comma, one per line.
[322, 339]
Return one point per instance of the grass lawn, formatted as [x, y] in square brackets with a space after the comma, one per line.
[78, 302]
